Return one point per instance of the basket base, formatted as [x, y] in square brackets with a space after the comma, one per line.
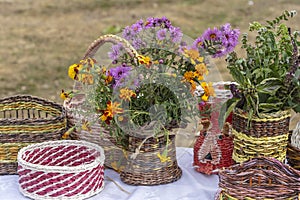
[156, 177]
[9, 168]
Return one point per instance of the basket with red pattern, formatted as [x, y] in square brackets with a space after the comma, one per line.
[213, 146]
[64, 169]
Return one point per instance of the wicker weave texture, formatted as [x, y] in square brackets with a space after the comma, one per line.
[64, 169]
[25, 120]
[145, 167]
[213, 147]
[259, 178]
[97, 134]
[266, 137]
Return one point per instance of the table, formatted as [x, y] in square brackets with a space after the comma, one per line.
[191, 186]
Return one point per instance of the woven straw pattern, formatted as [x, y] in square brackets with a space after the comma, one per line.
[25, 120]
[145, 168]
[293, 150]
[64, 169]
[266, 137]
[213, 147]
[295, 138]
[97, 134]
[259, 178]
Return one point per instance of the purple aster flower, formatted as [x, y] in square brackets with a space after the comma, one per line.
[128, 34]
[137, 27]
[116, 49]
[150, 22]
[161, 34]
[138, 43]
[120, 72]
[176, 34]
[212, 34]
[167, 22]
[198, 43]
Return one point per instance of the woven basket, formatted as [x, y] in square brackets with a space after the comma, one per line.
[65, 169]
[259, 178]
[213, 147]
[266, 137]
[98, 135]
[293, 151]
[25, 120]
[145, 167]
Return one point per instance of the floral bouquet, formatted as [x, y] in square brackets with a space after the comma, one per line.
[148, 88]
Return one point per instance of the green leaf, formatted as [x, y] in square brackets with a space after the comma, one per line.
[268, 107]
[269, 86]
[226, 109]
[237, 75]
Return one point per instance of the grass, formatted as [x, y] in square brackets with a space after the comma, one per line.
[40, 39]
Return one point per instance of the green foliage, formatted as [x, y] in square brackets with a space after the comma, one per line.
[268, 76]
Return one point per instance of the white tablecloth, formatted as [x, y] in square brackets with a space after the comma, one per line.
[191, 186]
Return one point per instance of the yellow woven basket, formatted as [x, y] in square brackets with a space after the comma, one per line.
[25, 120]
[266, 136]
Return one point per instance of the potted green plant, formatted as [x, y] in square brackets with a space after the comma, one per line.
[267, 89]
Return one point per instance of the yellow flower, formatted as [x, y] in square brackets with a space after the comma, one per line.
[193, 54]
[66, 94]
[189, 76]
[208, 91]
[111, 110]
[144, 60]
[193, 86]
[88, 61]
[74, 71]
[86, 126]
[201, 69]
[67, 133]
[163, 157]
[126, 94]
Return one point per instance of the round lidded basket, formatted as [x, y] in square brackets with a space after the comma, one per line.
[65, 169]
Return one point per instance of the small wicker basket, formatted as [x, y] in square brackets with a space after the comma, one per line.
[259, 178]
[25, 120]
[213, 147]
[267, 136]
[293, 151]
[65, 169]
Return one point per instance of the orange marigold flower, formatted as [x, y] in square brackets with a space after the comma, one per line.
[208, 91]
[201, 69]
[111, 110]
[189, 76]
[126, 94]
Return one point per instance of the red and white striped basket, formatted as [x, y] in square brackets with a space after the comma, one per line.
[66, 169]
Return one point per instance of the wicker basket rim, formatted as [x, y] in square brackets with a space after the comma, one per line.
[62, 169]
[277, 114]
[38, 100]
[252, 161]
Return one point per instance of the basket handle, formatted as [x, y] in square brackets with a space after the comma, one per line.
[91, 51]
[110, 38]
